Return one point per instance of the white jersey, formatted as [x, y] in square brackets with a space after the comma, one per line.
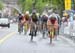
[53, 15]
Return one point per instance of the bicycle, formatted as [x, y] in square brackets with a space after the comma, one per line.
[20, 28]
[25, 28]
[51, 33]
[32, 30]
[44, 29]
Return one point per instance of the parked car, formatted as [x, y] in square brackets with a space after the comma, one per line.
[13, 19]
[4, 22]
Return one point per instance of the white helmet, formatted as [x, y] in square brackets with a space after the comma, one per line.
[45, 14]
[27, 12]
[53, 15]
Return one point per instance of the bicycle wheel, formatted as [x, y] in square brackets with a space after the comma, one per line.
[51, 35]
[32, 31]
[32, 36]
[43, 30]
[19, 29]
[43, 34]
[25, 28]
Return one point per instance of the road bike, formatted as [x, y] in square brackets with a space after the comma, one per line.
[26, 26]
[20, 28]
[51, 33]
[32, 30]
[44, 29]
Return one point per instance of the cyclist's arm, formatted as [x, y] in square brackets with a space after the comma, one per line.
[48, 24]
[56, 25]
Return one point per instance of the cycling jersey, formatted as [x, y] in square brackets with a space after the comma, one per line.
[44, 18]
[26, 17]
[34, 18]
[52, 20]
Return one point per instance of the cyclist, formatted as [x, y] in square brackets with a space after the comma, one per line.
[44, 24]
[33, 26]
[26, 22]
[20, 23]
[52, 25]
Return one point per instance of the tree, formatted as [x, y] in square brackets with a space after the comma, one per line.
[28, 5]
[41, 4]
[1, 5]
[25, 5]
[57, 5]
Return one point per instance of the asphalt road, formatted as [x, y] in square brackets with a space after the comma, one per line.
[13, 42]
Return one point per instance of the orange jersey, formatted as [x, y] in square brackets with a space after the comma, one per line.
[55, 24]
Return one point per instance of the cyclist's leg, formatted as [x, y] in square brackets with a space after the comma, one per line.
[27, 25]
[40, 27]
[35, 29]
[25, 28]
[19, 28]
[51, 40]
[51, 34]
[31, 35]
[43, 30]
[46, 31]
[22, 28]
[31, 38]
[56, 34]
[30, 28]
[51, 37]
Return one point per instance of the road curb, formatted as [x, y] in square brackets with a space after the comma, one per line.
[69, 41]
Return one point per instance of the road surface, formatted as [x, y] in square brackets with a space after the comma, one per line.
[13, 42]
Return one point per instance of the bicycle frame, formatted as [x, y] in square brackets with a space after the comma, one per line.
[51, 33]
[44, 29]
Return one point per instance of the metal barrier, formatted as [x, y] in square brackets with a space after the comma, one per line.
[68, 30]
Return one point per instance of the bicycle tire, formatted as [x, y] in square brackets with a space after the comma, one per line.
[51, 35]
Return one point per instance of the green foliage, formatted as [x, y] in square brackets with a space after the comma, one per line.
[58, 5]
[1, 5]
[28, 5]
[25, 5]
[41, 4]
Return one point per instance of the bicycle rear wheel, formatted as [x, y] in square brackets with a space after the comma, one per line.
[51, 36]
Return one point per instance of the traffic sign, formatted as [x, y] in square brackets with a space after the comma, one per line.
[68, 4]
